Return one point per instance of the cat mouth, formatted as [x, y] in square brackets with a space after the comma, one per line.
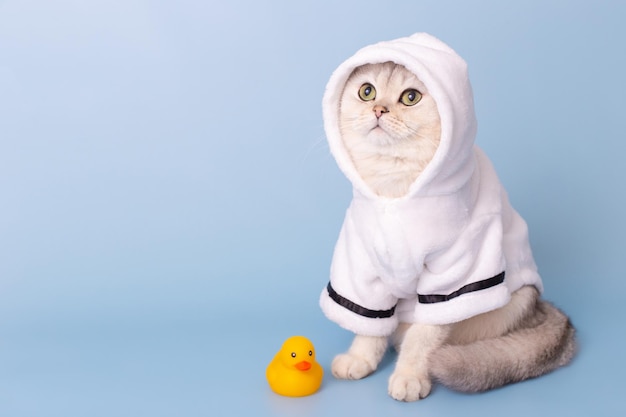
[380, 136]
[380, 127]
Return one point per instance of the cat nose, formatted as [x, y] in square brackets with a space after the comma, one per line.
[379, 110]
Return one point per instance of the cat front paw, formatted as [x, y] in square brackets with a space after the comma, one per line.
[408, 387]
[347, 366]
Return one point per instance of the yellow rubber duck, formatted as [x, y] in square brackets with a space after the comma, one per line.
[293, 372]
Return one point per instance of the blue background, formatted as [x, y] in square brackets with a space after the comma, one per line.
[169, 206]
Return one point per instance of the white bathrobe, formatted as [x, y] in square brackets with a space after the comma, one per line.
[450, 249]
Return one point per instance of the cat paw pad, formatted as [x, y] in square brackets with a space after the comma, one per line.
[404, 387]
[347, 366]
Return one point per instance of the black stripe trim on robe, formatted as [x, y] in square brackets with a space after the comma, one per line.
[474, 286]
[355, 308]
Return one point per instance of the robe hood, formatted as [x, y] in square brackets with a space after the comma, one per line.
[444, 73]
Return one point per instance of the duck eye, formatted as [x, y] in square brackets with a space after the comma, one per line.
[410, 97]
[367, 92]
[310, 353]
[293, 354]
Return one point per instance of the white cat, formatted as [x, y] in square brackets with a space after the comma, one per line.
[431, 254]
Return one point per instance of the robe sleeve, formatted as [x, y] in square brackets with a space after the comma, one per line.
[356, 298]
[467, 278]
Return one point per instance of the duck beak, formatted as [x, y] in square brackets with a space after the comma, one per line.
[303, 366]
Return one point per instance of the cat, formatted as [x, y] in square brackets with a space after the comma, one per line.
[391, 129]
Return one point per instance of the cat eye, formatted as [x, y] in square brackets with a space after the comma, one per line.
[410, 97]
[367, 92]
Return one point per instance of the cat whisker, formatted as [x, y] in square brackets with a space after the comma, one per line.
[319, 143]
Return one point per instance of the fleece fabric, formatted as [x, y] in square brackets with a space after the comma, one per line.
[452, 247]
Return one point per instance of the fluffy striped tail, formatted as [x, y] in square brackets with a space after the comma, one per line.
[528, 352]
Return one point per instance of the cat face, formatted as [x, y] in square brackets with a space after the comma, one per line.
[389, 125]
[385, 104]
